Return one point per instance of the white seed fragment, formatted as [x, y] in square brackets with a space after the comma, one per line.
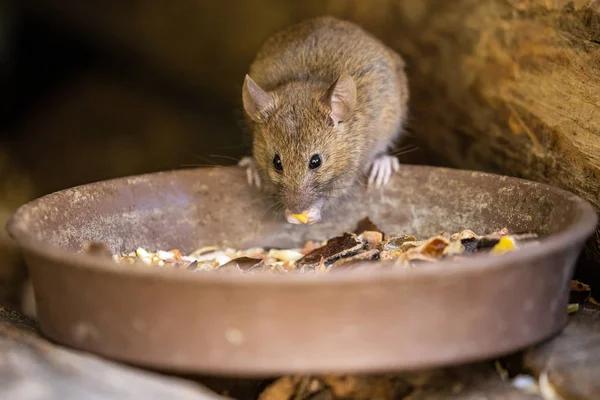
[223, 259]
[285, 255]
[142, 253]
[165, 255]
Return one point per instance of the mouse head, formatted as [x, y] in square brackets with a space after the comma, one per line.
[302, 145]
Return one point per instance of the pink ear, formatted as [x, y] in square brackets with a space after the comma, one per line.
[256, 101]
[341, 98]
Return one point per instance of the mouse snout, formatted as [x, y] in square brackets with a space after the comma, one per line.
[302, 205]
[309, 216]
[303, 212]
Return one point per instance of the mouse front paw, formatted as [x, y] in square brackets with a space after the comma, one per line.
[382, 169]
[251, 171]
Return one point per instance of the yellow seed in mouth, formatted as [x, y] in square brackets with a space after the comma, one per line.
[301, 217]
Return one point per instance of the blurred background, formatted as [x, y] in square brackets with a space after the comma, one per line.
[92, 90]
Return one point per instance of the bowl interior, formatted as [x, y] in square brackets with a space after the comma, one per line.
[187, 209]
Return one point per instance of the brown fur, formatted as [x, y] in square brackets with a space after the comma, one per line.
[296, 67]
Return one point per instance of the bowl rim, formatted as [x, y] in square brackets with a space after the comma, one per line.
[576, 232]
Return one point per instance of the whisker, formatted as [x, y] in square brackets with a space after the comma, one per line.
[229, 147]
[279, 212]
[189, 153]
[205, 160]
[267, 211]
[260, 199]
[337, 189]
[351, 186]
[401, 152]
[203, 165]
[209, 161]
[225, 157]
[407, 145]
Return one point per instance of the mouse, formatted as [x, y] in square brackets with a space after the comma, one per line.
[324, 101]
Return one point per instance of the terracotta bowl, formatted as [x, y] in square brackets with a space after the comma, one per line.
[262, 325]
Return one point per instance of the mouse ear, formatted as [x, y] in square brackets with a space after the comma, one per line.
[340, 98]
[256, 101]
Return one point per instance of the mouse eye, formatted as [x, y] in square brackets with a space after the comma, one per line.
[315, 161]
[277, 163]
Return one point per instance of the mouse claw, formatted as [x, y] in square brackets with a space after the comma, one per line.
[251, 171]
[382, 169]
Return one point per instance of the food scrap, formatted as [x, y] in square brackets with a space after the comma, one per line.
[573, 308]
[505, 244]
[347, 245]
[366, 247]
[301, 217]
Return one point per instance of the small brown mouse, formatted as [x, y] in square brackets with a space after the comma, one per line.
[325, 101]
